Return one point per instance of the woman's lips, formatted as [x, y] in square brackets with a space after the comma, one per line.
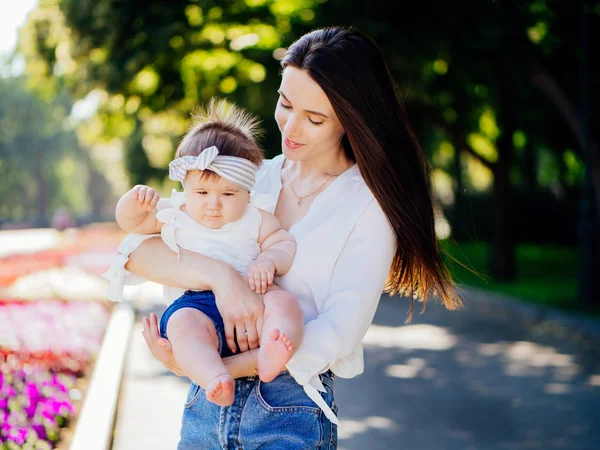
[291, 144]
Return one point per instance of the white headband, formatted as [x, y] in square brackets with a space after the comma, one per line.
[237, 170]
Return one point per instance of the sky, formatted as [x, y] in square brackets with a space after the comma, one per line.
[12, 15]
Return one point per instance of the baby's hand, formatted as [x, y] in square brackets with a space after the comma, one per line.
[144, 197]
[260, 274]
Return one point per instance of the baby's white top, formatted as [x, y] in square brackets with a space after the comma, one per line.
[235, 243]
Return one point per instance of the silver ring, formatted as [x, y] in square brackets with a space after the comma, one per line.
[245, 333]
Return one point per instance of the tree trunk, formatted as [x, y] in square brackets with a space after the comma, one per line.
[503, 246]
[459, 220]
[565, 106]
[530, 166]
[42, 209]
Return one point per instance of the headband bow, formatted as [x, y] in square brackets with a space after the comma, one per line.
[239, 171]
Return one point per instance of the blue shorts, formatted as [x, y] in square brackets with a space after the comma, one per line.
[203, 301]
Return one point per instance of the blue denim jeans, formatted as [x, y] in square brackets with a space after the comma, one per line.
[270, 416]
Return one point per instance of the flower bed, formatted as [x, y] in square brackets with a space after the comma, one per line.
[58, 335]
[15, 266]
[46, 349]
[34, 405]
[97, 241]
[48, 346]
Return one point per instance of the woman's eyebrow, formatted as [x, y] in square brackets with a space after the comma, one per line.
[307, 110]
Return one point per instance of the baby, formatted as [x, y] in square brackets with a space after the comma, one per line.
[217, 216]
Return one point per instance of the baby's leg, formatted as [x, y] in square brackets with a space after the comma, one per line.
[282, 332]
[196, 349]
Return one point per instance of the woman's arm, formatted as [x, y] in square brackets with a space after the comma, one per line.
[356, 285]
[241, 365]
[153, 260]
[239, 306]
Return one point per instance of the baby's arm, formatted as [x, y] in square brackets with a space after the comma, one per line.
[136, 211]
[278, 250]
[276, 243]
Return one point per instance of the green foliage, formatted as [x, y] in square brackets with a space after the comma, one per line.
[502, 90]
[41, 164]
[547, 275]
[169, 56]
[161, 57]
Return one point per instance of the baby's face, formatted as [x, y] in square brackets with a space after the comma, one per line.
[213, 202]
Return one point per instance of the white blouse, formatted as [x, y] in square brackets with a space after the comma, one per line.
[344, 250]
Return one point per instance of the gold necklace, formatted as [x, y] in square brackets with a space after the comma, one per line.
[301, 199]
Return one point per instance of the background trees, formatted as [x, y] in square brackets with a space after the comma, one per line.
[501, 93]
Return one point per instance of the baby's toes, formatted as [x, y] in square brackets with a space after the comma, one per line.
[285, 341]
[275, 334]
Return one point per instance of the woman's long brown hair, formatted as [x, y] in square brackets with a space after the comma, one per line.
[352, 72]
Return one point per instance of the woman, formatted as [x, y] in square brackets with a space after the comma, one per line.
[351, 187]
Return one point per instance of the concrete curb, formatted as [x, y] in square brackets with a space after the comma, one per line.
[94, 428]
[576, 323]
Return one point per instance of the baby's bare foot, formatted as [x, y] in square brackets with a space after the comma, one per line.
[274, 355]
[221, 390]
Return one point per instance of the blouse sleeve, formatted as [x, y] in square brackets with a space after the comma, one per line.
[357, 282]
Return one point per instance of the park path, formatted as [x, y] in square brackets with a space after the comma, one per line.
[485, 378]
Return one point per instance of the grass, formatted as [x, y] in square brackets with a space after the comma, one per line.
[546, 275]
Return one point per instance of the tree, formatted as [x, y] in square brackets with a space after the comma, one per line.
[481, 84]
[511, 64]
[36, 147]
[158, 60]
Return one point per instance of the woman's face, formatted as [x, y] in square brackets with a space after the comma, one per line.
[309, 127]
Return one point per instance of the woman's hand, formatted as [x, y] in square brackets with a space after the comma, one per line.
[160, 347]
[241, 309]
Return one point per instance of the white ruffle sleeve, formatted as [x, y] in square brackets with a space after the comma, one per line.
[356, 286]
[117, 275]
[263, 201]
[170, 214]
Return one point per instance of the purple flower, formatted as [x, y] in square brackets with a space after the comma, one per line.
[40, 430]
[49, 418]
[10, 392]
[32, 390]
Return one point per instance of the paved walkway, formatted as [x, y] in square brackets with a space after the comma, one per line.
[485, 378]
